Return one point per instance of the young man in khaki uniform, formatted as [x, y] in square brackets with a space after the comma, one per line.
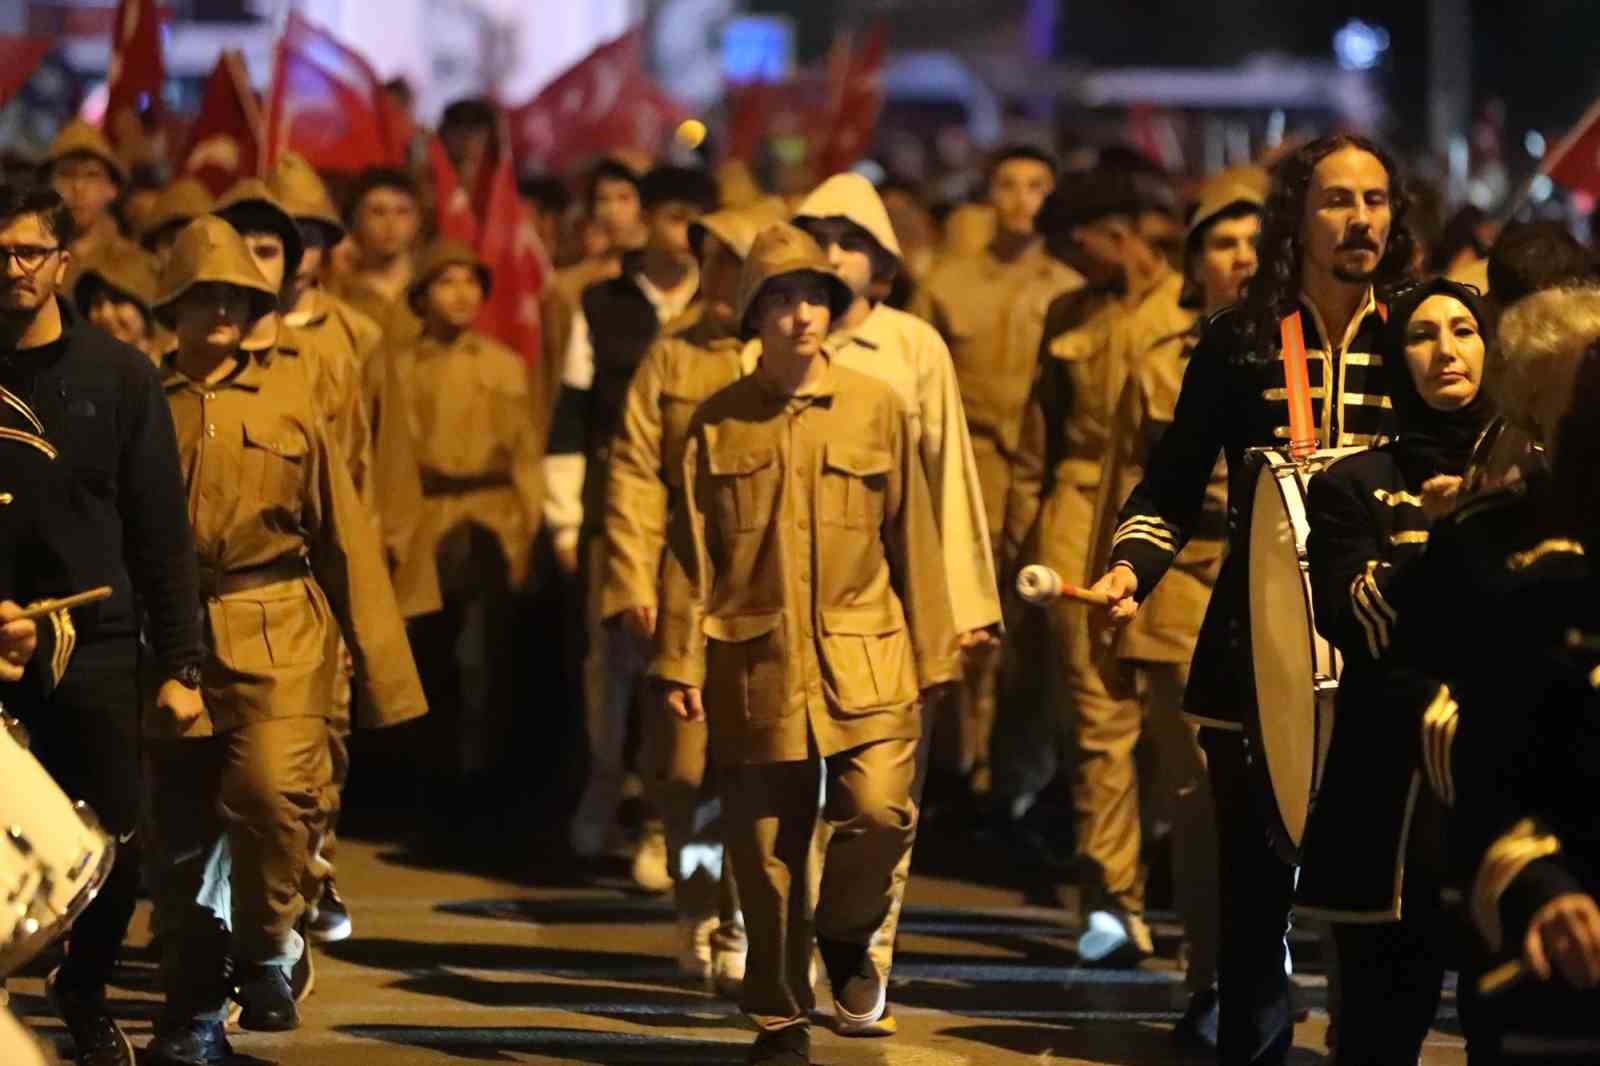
[805, 596]
[974, 303]
[464, 397]
[850, 223]
[645, 483]
[384, 216]
[180, 203]
[1065, 441]
[1146, 668]
[241, 790]
[116, 293]
[85, 170]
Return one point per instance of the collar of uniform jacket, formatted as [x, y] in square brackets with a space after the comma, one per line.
[247, 374]
[1369, 306]
[819, 392]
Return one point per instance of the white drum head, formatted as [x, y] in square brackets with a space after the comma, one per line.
[1282, 635]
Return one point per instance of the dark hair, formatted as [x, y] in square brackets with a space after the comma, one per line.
[669, 184]
[607, 170]
[1530, 256]
[471, 113]
[1276, 285]
[1459, 234]
[549, 193]
[17, 199]
[1017, 151]
[378, 178]
[1085, 197]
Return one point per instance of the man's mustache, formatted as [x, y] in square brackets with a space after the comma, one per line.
[1358, 243]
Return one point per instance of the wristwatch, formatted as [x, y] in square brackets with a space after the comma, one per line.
[187, 676]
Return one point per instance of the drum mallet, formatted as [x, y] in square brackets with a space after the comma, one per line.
[46, 608]
[1040, 585]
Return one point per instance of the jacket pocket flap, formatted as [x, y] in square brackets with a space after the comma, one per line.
[278, 439]
[726, 461]
[733, 628]
[875, 620]
[862, 462]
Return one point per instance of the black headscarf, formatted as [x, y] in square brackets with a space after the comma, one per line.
[1432, 441]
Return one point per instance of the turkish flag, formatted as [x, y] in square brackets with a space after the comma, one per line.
[1574, 162]
[20, 56]
[849, 121]
[224, 144]
[452, 207]
[603, 104]
[509, 243]
[136, 73]
[328, 104]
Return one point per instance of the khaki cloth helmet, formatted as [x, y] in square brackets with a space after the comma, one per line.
[129, 275]
[302, 193]
[250, 205]
[210, 251]
[851, 197]
[443, 253]
[780, 250]
[79, 138]
[1221, 191]
[179, 203]
[737, 227]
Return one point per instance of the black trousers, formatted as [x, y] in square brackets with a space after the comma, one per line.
[86, 734]
[1256, 888]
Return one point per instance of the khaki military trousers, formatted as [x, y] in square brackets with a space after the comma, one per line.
[770, 817]
[235, 819]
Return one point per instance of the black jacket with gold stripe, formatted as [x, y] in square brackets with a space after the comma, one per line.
[1367, 529]
[1231, 403]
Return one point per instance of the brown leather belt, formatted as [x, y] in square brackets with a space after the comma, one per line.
[435, 483]
[215, 583]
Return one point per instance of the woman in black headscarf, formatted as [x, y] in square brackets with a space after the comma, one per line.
[1372, 855]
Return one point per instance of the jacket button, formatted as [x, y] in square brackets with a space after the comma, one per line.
[211, 430]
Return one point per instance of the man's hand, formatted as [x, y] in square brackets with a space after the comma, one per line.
[183, 703]
[18, 642]
[684, 701]
[567, 559]
[1119, 584]
[1439, 495]
[1564, 936]
[641, 622]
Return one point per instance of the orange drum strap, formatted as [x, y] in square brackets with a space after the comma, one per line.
[1297, 383]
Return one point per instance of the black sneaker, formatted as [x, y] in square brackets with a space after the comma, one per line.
[267, 995]
[192, 1043]
[1197, 1029]
[782, 1047]
[330, 918]
[97, 1038]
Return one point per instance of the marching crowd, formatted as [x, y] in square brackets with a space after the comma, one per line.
[790, 464]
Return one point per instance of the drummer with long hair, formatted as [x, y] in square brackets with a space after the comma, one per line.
[1372, 858]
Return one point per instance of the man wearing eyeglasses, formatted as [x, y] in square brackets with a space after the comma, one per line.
[99, 402]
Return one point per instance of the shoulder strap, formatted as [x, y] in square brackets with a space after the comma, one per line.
[1297, 383]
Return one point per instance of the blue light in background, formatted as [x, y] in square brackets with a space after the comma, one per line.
[757, 49]
[1360, 45]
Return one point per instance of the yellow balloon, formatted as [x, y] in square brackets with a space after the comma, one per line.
[691, 132]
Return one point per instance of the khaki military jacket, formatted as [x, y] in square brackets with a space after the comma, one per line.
[336, 341]
[466, 406]
[973, 303]
[805, 592]
[1159, 338]
[908, 355]
[646, 470]
[268, 488]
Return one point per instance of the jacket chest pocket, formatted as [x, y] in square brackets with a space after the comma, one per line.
[746, 486]
[273, 463]
[745, 665]
[853, 484]
[868, 653]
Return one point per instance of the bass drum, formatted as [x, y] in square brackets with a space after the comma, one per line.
[1296, 670]
[53, 855]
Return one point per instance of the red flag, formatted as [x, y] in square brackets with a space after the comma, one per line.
[602, 104]
[452, 207]
[327, 103]
[1574, 162]
[849, 120]
[20, 56]
[510, 245]
[224, 143]
[136, 73]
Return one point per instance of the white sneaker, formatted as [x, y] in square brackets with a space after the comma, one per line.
[650, 863]
[1113, 939]
[694, 947]
[727, 972]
